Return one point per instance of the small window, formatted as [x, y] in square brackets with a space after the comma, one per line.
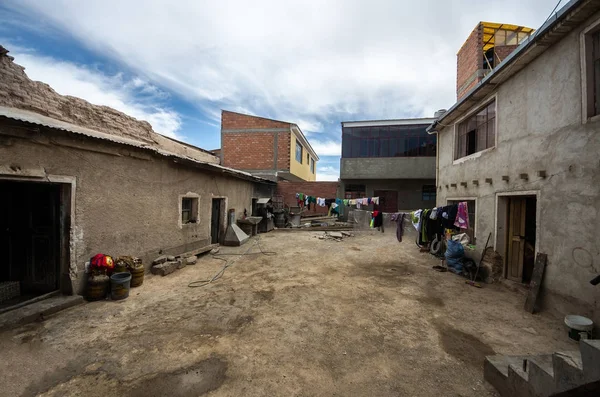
[298, 152]
[429, 193]
[307, 158]
[477, 132]
[189, 210]
[355, 191]
[312, 166]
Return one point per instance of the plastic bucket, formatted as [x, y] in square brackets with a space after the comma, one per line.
[119, 285]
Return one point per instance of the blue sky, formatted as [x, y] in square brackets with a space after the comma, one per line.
[313, 63]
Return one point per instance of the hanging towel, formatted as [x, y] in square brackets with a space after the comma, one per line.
[416, 219]
[320, 201]
[399, 219]
[352, 202]
[375, 200]
[462, 216]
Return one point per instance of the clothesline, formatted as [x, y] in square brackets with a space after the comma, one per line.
[327, 202]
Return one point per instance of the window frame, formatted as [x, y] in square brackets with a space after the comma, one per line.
[312, 165]
[590, 100]
[388, 141]
[472, 114]
[429, 191]
[189, 204]
[300, 153]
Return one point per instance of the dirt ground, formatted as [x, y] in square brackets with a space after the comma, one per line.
[363, 317]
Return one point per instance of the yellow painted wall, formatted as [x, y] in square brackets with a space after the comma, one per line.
[300, 170]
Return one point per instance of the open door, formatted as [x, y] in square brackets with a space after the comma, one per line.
[215, 221]
[516, 238]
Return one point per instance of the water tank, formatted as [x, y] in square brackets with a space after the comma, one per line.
[439, 113]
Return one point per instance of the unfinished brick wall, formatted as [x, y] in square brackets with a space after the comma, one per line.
[248, 150]
[19, 91]
[254, 148]
[238, 121]
[502, 51]
[319, 189]
[468, 62]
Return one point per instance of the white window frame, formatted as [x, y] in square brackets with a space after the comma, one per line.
[584, 42]
[470, 113]
[196, 210]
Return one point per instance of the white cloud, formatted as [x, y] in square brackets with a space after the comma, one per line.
[135, 97]
[327, 173]
[327, 148]
[312, 62]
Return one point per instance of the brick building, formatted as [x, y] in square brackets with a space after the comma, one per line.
[487, 45]
[390, 159]
[272, 149]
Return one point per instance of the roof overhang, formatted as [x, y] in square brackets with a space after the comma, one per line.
[304, 141]
[382, 123]
[38, 119]
[552, 31]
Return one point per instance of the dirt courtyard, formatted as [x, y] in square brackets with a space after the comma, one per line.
[363, 317]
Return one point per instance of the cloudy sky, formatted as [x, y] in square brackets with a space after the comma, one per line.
[177, 63]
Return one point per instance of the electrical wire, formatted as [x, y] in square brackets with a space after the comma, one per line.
[221, 272]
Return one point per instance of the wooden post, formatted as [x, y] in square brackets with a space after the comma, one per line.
[531, 304]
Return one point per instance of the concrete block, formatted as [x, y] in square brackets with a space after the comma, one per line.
[541, 375]
[590, 357]
[164, 268]
[191, 260]
[160, 259]
[568, 370]
[38, 310]
[495, 372]
[181, 263]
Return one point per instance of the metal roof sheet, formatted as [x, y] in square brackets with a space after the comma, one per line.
[38, 119]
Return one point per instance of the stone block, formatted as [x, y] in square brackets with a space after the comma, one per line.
[164, 268]
[215, 250]
[191, 260]
[181, 263]
[160, 259]
[170, 258]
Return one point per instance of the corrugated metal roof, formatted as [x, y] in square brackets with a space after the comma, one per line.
[38, 119]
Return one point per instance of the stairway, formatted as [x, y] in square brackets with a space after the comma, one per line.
[545, 375]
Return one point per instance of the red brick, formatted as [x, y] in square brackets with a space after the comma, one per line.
[318, 189]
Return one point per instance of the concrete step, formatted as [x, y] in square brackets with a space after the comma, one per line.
[518, 380]
[38, 310]
[590, 357]
[496, 369]
[541, 374]
[568, 370]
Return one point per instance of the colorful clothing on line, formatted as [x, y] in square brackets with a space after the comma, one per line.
[462, 216]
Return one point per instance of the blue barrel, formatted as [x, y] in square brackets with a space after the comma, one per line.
[119, 286]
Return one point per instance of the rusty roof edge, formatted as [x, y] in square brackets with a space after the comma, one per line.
[38, 119]
[521, 51]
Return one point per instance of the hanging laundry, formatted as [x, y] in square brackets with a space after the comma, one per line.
[352, 202]
[375, 200]
[369, 201]
[320, 201]
[416, 219]
[434, 214]
[399, 219]
[378, 217]
[462, 216]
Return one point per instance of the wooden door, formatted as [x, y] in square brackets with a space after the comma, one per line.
[516, 239]
[215, 221]
[388, 200]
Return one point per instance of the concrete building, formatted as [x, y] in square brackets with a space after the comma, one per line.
[390, 159]
[487, 45]
[522, 148]
[78, 179]
[272, 149]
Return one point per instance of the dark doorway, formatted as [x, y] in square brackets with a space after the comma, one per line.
[521, 238]
[388, 200]
[30, 238]
[216, 220]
